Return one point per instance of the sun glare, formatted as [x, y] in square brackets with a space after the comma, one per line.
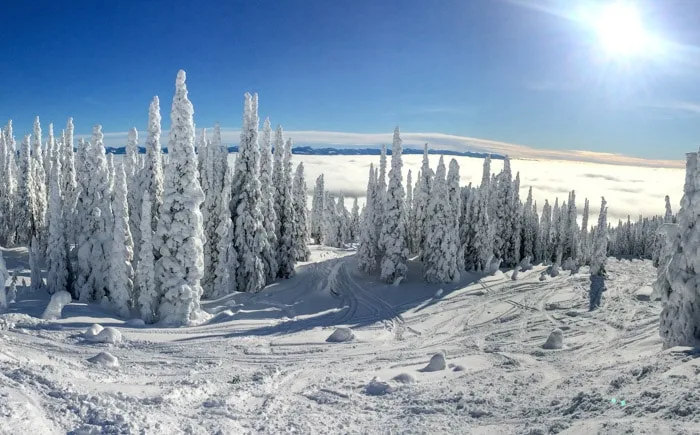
[620, 30]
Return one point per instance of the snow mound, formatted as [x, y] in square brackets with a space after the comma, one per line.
[341, 335]
[97, 334]
[105, 359]
[644, 293]
[555, 340]
[437, 363]
[56, 304]
[135, 323]
[18, 320]
[404, 378]
[377, 387]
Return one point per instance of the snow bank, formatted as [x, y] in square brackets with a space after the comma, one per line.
[555, 340]
[644, 293]
[105, 359]
[437, 363]
[56, 304]
[341, 335]
[135, 323]
[377, 387]
[97, 334]
[404, 378]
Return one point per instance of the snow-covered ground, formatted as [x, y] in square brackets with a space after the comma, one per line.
[263, 365]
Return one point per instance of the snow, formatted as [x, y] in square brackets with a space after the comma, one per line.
[55, 307]
[437, 363]
[264, 366]
[97, 334]
[341, 335]
[105, 359]
[555, 340]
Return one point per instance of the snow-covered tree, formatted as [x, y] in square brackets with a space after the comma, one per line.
[269, 191]
[545, 245]
[571, 241]
[393, 236]
[301, 230]
[668, 216]
[39, 179]
[332, 223]
[4, 276]
[121, 271]
[35, 257]
[599, 257]
[317, 208]
[409, 211]
[514, 220]
[284, 207]
[25, 226]
[249, 235]
[585, 243]
[454, 197]
[151, 178]
[503, 211]
[69, 187]
[355, 221]
[227, 263]
[367, 249]
[441, 239]
[380, 200]
[48, 159]
[180, 234]
[147, 294]
[95, 221]
[528, 234]
[59, 274]
[131, 168]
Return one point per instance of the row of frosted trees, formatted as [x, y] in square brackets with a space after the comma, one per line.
[453, 228]
[151, 236]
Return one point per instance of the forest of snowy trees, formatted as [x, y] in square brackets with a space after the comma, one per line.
[152, 235]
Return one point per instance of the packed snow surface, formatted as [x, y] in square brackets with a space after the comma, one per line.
[265, 366]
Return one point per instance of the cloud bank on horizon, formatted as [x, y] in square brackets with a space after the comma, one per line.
[437, 141]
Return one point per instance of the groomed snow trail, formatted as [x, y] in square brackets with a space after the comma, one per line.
[262, 364]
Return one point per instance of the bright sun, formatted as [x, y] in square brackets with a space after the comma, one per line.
[620, 30]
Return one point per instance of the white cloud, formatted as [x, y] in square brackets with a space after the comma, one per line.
[438, 141]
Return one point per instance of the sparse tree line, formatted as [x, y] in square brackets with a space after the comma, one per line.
[151, 236]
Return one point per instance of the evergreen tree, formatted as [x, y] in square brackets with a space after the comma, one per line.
[409, 211]
[545, 233]
[180, 234]
[571, 243]
[317, 208]
[598, 258]
[121, 272]
[25, 225]
[367, 249]
[454, 195]
[59, 273]
[442, 240]
[286, 254]
[145, 280]
[131, 168]
[301, 230]
[267, 206]
[69, 187]
[355, 222]
[227, 263]
[528, 236]
[504, 210]
[48, 160]
[331, 223]
[249, 236]
[380, 199]
[151, 179]
[668, 216]
[421, 200]
[39, 187]
[585, 246]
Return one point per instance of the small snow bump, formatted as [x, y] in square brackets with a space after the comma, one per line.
[105, 359]
[341, 335]
[437, 363]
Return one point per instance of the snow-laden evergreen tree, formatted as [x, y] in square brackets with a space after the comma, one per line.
[668, 216]
[69, 187]
[210, 214]
[249, 235]
[680, 317]
[221, 165]
[421, 199]
[147, 294]
[571, 241]
[8, 190]
[227, 263]
[528, 234]
[343, 225]
[267, 205]
[301, 230]
[180, 233]
[96, 223]
[513, 219]
[25, 226]
[546, 233]
[442, 240]
[598, 258]
[454, 195]
[121, 271]
[131, 168]
[355, 221]
[151, 179]
[59, 274]
[535, 230]
[393, 239]
[39, 179]
[381, 198]
[35, 257]
[4, 276]
[409, 211]
[504, 210]
[332, 223]
[48, 159]
[317, 208]
[367, 249]
[286, 252]
[585, 245]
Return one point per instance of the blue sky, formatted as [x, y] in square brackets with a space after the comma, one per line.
[515, 71]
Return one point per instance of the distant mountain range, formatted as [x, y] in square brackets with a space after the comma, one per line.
[306, 150]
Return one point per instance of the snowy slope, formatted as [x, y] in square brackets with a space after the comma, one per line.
[262, 364]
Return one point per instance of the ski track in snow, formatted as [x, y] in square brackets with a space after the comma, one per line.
[262, 364]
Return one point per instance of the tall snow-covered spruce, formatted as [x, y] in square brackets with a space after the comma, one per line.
[59, 274]
[301, 230]
[393, 236]
[367, 249]
[121, 271]
[249, 235]
[180, 233]
[599, 258]
[317, 208]
[284, 207]
[267, 205]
